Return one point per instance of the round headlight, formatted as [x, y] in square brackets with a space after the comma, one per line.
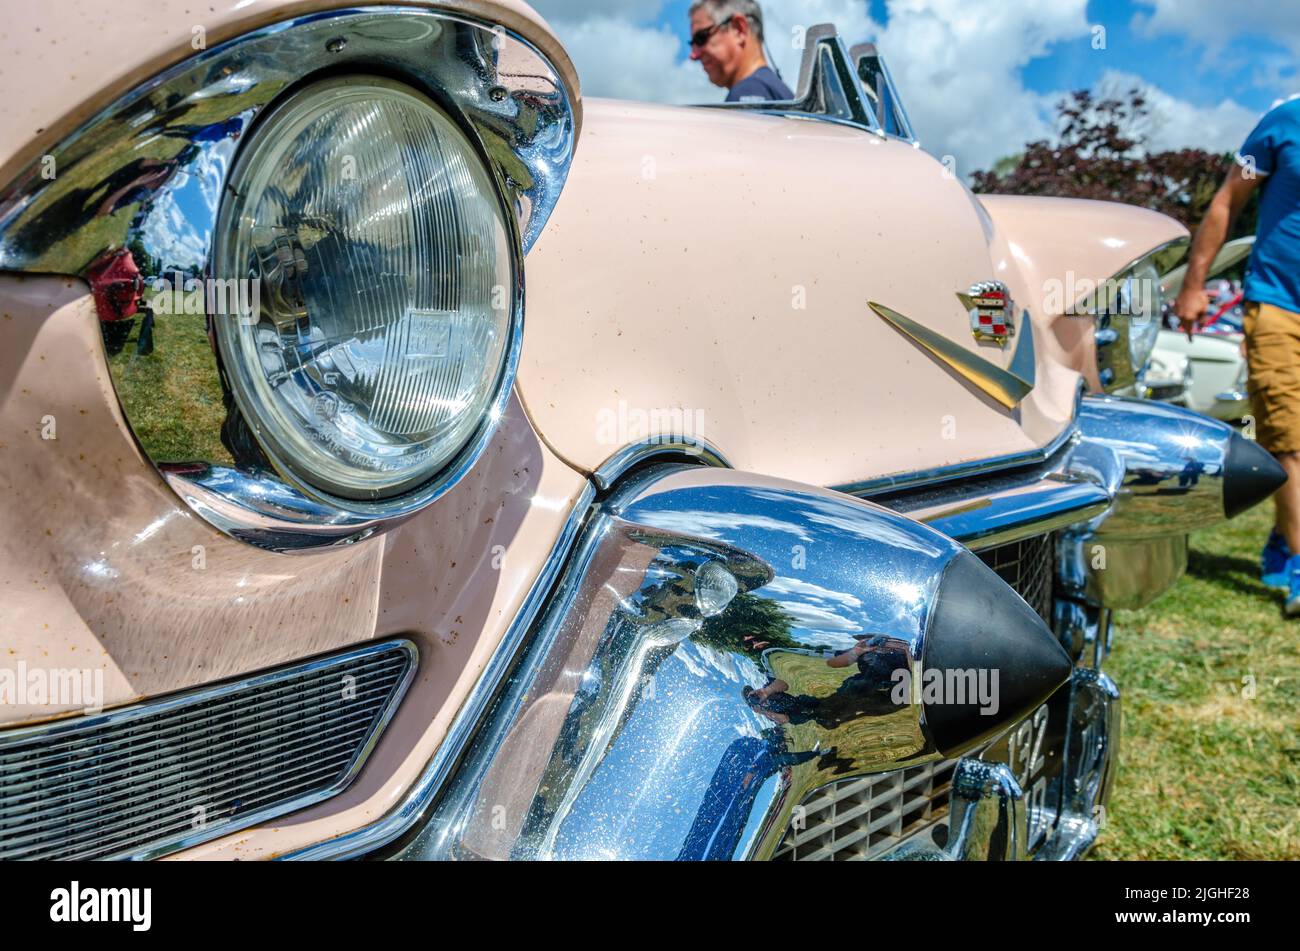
[376, 284]
[1139, 298]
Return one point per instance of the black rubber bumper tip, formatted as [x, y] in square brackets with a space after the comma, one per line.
[1250, 475]
[979, 625]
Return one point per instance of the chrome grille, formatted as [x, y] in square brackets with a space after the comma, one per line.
[1028, 567]
[866, 817]
[863, 818]
[161, 775]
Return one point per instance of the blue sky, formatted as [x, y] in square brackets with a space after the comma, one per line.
[1182, 65]
[980, 77]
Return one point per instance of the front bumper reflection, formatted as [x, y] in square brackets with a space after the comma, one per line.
[662, 711]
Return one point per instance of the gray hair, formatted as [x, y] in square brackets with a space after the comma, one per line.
[722, 10]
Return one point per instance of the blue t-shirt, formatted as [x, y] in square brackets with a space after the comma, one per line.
[1273, 276]
[762, 84]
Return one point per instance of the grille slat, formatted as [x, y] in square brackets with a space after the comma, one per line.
[234, 732]
[1029, 567]
[130, 783]
[145, 723]
[866, 817]
[863, 818]
[157, 786]
[124, 827]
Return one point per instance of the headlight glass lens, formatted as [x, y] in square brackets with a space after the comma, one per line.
[715, 588]
[1139, 298]
[373, 243]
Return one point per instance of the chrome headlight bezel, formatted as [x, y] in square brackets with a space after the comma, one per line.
[174, 141]
[296, 457]
[1125, 341]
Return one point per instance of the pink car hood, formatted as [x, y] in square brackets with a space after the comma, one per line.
[710, 271]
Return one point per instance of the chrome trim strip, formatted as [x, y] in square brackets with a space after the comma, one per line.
[870, 488]
[54, 730]
[417, 800]
[1074, 486]
[170, 144]
[655, 447]
[1014, 516]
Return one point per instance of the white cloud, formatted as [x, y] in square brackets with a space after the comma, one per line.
[819, 619]
[786, 21]
[957, 62]
[1176, 123]
[1216, 24]
[806, 589]
[619, 59]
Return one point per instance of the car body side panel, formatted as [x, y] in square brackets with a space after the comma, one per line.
[103, 567]
[88, 55]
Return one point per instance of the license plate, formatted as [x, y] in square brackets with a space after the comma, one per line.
[1033, 750]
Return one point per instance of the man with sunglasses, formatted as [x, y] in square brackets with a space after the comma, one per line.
[727, 40]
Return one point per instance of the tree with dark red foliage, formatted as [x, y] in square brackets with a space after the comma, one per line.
[1101, 153]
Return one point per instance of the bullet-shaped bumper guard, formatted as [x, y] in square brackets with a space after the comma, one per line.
[721, 645]
[1170, 471]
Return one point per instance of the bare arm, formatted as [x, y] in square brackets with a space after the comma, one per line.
[1237, 188]
[849, 657]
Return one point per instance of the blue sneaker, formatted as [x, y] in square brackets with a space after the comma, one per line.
[1273, 562]
[1293, 593]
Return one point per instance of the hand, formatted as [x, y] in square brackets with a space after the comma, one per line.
[1191, 306]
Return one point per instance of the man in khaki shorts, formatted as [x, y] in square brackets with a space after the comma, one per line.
[1270, 159]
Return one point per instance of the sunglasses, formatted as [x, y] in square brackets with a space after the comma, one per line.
[700, 37]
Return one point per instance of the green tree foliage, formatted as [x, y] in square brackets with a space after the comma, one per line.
[1101, 153]
[748, 615]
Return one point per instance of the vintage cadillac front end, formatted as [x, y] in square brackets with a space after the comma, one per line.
[404, 458]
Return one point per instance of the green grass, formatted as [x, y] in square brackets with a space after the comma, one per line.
[173, 394]
[1207, 771]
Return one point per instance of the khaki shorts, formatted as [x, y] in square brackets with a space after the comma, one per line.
[1273, 358]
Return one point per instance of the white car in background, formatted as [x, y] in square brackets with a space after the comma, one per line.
[1208, 372]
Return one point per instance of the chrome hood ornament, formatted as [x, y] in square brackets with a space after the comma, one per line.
[992, 311]
[1008, 386]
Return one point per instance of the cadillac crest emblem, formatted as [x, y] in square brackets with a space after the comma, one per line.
[992, 312]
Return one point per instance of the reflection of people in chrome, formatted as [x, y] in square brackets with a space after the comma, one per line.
[865, 693]
[1190, 474]
[729, 798]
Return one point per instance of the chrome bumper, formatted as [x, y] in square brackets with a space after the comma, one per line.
[684, 689]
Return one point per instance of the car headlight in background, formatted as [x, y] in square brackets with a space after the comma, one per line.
[380, 262]
[1139, 299]
[1128, 310]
